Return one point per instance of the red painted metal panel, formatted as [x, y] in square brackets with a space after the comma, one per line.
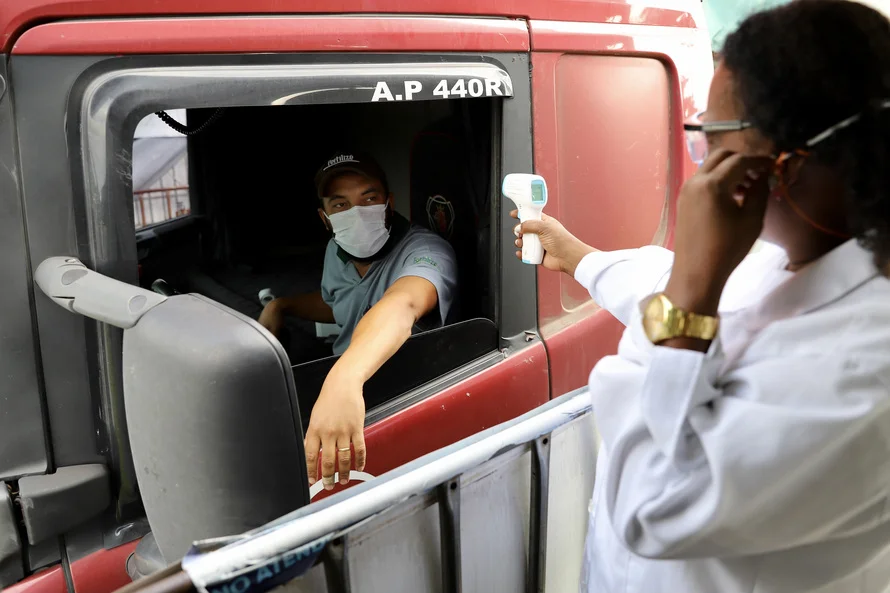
[103, 571]
[51, 580]
[613, 129]
[507, 390]
[546, 157]
[18, 15]
[592, 334]
[273, 34]
[615, 171]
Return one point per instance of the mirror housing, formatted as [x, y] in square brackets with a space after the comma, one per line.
[210, 403]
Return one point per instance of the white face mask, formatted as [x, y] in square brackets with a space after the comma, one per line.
[361, 231]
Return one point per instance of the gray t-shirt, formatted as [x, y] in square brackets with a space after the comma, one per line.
[419, 252]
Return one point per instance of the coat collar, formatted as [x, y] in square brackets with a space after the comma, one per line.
[826, 280]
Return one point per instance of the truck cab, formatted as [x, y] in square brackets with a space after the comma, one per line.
[178, 141]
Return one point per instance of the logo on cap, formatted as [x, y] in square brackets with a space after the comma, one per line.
[339, 159]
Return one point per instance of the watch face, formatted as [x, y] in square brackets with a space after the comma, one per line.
[662, 321]
[656, 310]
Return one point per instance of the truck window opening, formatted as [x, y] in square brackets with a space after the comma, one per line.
[232, 210]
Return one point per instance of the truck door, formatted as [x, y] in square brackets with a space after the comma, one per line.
[609, 99]
[51, 483]
[261, 101]
[25, 448]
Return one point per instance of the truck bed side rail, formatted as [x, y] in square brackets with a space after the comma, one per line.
[504, 510]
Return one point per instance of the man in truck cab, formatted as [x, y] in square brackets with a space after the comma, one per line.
[383, 279]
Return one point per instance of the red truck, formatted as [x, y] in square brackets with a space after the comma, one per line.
[450, 95]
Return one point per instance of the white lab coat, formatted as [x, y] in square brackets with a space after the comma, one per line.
[761, 466]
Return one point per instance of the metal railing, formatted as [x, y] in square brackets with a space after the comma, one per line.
[154, 206]
[289, 547]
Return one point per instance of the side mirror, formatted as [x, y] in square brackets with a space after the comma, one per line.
[210, 402]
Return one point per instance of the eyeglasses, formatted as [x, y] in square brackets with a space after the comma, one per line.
[782, 178]
[697, 132]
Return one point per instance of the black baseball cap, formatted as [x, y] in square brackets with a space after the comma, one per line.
[342, 162]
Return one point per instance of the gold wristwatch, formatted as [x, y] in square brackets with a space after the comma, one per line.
[663, 321]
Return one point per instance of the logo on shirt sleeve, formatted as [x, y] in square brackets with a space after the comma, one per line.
[425, 260]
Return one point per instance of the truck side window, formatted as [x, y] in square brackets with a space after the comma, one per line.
[160, 172]
[232, 211]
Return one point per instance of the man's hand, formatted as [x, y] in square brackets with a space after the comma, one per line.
[305, 306]
[272, 317]
[719, 217]
[338, 419]
[562, 250]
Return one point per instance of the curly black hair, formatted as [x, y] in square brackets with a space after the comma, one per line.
[805, 66]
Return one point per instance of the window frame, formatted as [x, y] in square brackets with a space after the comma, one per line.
[111, 97]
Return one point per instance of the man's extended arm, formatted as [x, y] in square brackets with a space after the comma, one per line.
[339, 414]
[387, 325]
[305, 306]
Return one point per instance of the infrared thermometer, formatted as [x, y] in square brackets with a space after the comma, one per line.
[529, 193]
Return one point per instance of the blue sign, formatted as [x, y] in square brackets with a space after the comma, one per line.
[268, 573]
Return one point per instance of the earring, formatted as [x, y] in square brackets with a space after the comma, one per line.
[773, 182]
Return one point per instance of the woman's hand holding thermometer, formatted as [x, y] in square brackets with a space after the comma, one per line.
[543, 239]
[529, 193]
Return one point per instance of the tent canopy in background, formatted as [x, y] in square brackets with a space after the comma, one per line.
[723, 16]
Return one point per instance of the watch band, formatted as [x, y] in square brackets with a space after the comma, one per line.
[703, 327]
[663, 321]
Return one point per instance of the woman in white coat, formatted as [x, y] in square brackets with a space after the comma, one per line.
[745, 419]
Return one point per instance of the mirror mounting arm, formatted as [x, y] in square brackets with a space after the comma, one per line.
[75, 287]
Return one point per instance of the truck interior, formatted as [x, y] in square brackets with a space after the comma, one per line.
[224, 206]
